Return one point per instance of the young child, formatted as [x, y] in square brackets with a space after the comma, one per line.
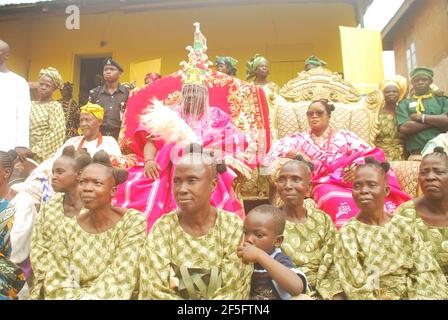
[275, 277]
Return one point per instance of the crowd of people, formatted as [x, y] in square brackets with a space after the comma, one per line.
[81, 217]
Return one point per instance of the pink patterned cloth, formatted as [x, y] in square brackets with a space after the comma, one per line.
[155, 197]
[330, 156]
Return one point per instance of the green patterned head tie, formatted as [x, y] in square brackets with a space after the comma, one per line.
[54, 75]
[229, 62]
[315, 61]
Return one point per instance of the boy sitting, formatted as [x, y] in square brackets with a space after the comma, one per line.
[275, 276]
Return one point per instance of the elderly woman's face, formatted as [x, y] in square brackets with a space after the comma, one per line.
[391, 94]
[89, 124]
[193, 184]
[46, 87]
[262, 70]
[96, 186]
[293, 183]
[318, 117]
[369, 189]
[433, 177]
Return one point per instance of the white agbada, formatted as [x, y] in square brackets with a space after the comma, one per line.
[108, 144]
[15, 108]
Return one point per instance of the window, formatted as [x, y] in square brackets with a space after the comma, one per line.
[411, 56]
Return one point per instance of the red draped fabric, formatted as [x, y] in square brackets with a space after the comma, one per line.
[244, 102]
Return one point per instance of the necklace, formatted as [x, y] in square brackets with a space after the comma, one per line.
[100, 141]
[323, 142]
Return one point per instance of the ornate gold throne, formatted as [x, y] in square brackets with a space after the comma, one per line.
[353, 112]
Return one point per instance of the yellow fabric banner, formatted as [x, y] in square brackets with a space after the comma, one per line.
[362, 58]
[139, 70]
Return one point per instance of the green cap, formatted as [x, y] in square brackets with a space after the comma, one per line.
[422, 71]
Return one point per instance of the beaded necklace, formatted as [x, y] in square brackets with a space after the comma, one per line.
[324, 141]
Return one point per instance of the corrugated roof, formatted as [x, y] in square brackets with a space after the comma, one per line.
[9, 8]
[19, 2]
[389, 31]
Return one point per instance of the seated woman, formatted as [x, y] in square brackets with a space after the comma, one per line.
[64, 204]
[37, 188]
[12, 278]
[393, 90]
[379, 256]
[429, 210]
[335, 154]
[310, 234]
[96, 254]
[191, 253]
[163, 132]
[91, 139]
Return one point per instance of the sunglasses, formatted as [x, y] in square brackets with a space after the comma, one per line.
[318, 113]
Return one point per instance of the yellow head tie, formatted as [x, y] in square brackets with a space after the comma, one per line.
[94, 109]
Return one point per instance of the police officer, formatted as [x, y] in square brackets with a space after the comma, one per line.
[112, 96]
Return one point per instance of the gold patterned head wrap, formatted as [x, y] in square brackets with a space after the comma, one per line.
[252, 65]
[54, 75]
[94, 109]
[397, 81]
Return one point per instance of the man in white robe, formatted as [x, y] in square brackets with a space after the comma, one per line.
[15, 107]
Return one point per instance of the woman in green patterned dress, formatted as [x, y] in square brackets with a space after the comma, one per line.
[309, 234]
[379, 256]
[191, 253]
[393, 90]
[64, 204]
[47, 120]
[96, 254]
[430, 211]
